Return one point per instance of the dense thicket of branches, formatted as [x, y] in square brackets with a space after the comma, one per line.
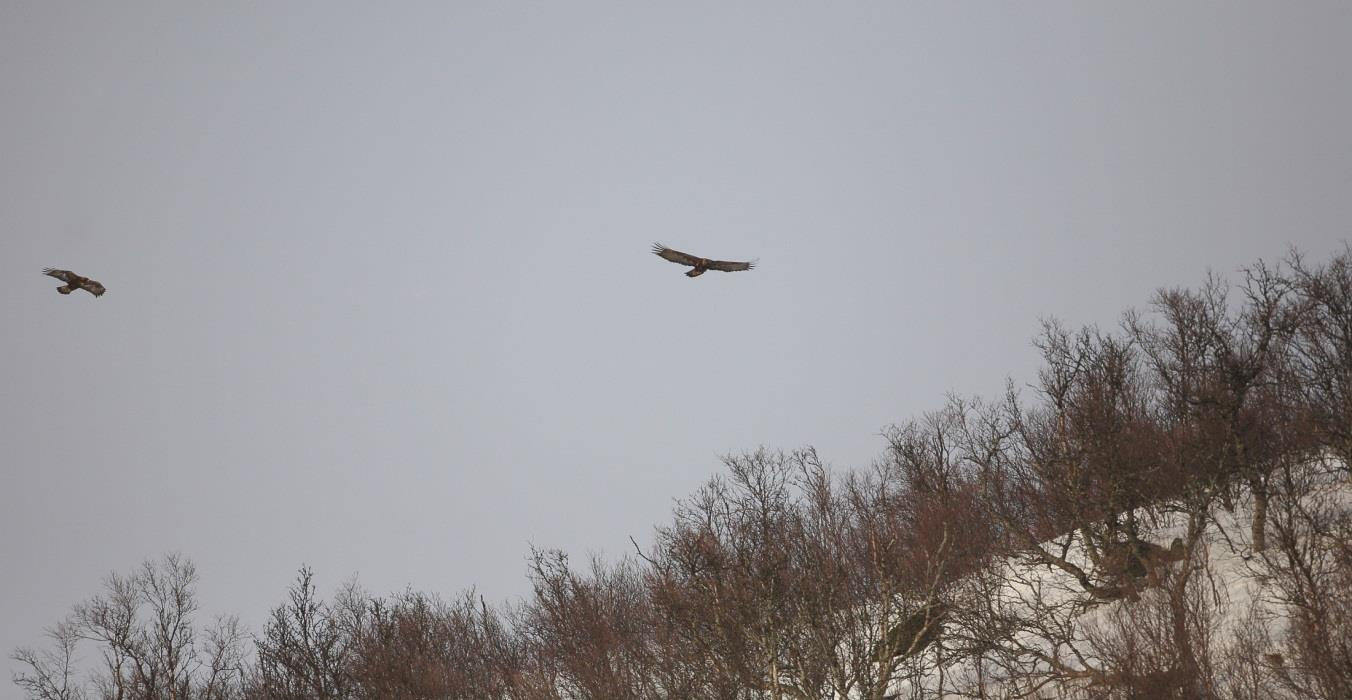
[1061, 539]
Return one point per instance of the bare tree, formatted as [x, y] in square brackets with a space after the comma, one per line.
[50, 673]
[144, 627]
[1210, 362]
[1320, 356]
[225, 667]
[304, 650]
[416, 645]
[1311, 572]
[590, 632]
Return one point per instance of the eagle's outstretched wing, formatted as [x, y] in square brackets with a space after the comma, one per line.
[675, 256]
[727, 266]
[64, 275]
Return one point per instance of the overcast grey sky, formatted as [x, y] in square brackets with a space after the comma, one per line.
[380, 297]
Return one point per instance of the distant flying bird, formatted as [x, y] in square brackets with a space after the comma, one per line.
[700, 264]
[74, 281]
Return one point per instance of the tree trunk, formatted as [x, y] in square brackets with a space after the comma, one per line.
[1260, 506]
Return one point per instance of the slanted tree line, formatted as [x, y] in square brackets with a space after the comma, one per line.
[1058, 540]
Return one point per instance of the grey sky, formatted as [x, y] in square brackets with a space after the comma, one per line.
[380, 298]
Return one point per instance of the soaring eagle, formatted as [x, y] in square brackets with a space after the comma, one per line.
[701, 265]
[74, 281]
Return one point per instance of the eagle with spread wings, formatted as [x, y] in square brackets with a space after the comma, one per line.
[701, 265]
[74, 282]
